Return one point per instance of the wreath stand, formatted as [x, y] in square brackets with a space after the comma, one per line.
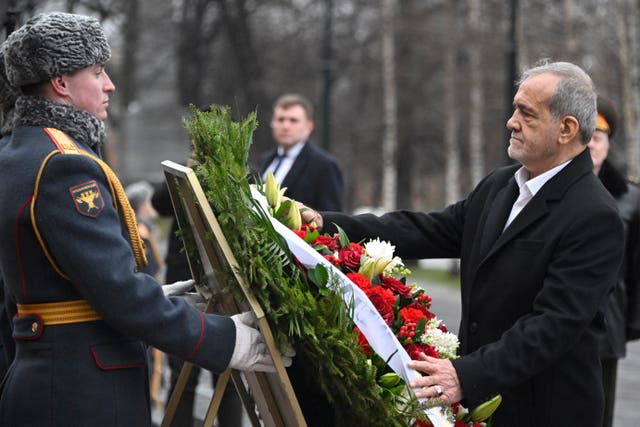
[270, 393]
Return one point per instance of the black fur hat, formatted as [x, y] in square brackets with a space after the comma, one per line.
[52, 44]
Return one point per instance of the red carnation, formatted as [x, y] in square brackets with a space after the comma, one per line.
[414, 351]
[350, 256]
[300, 233]
[327, 241]
[411, 315]
[361, 281]
[396, 286]
[386, 294]
[362, 342]
[333, 260]
[417, 306]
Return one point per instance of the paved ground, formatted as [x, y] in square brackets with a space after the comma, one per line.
[446, 306]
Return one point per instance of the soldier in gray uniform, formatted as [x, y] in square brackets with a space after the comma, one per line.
[70, 254]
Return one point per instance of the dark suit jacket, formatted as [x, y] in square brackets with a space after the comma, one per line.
[314, 179]
[530, 295]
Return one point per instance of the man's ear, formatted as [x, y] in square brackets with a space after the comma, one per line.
[569, 128]
[59, 85]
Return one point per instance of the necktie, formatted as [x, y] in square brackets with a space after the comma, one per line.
[278, 161]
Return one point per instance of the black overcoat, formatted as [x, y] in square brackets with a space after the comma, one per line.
[530, 295]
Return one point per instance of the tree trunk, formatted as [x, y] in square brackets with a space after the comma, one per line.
[452, 149]
[389, 99]
[628, 41]
[476, 95]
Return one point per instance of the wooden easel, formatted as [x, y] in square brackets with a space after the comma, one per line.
[271, 393]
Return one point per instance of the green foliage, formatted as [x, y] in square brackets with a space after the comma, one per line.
[302, 311]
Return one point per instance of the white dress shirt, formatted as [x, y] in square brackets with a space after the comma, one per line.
[283, 162]
[529, 188]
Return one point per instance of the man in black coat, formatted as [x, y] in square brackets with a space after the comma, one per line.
[310, 174]
[622, 319]
[540, 246]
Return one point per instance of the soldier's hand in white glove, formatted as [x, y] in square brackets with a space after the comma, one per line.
[196, 300]
[178, 288]
[250, 352]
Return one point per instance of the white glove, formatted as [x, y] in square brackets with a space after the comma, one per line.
[178, 288]
[195, 299]
[250, 352]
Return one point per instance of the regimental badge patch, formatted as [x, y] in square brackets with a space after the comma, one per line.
[87, 198]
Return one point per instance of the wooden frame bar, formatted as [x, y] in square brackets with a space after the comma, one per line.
[271, 393]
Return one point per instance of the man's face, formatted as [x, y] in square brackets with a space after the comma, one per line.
[534, 132]
[290, 125]
[598, 148]
[89, 89]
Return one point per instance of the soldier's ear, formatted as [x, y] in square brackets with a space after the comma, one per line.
[59, 85]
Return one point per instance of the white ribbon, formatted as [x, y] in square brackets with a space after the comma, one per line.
[381, 339]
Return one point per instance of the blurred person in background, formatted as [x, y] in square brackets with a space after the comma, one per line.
[311, 175]
[622, 305]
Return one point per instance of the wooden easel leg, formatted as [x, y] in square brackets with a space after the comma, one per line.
[216, 399]
[176, 395]
[247, 401]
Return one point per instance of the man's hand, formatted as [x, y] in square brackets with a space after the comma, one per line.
[250, 352]
[178, 288]
[310, 216]
[440, 382]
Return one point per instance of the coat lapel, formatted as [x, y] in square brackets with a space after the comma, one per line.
[497, 216]
[298, 167]
[538, 207]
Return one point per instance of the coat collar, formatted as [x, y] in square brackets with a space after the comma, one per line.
[538, 207]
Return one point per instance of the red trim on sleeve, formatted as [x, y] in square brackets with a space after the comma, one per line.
[199, 343]
[23, 280]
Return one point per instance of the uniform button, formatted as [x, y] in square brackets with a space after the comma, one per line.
[473, 327]
[34, 327]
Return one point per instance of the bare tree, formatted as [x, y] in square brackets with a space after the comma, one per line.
[390, 141]
[476, 93]
[630, 75]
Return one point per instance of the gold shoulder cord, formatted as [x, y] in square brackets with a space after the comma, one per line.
[121, 202]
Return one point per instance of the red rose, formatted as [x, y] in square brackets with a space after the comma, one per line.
[382, 305]
[327, 241]
[361, 281]
[396, 286]
[350, 256]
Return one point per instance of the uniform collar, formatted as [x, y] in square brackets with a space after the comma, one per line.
[79, 124]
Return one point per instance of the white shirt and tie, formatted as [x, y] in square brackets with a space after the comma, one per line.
[529, 188]
[282, 162]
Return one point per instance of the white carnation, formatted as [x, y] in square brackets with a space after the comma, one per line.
[445, 343]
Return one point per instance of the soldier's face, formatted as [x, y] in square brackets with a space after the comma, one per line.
[89, 89]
